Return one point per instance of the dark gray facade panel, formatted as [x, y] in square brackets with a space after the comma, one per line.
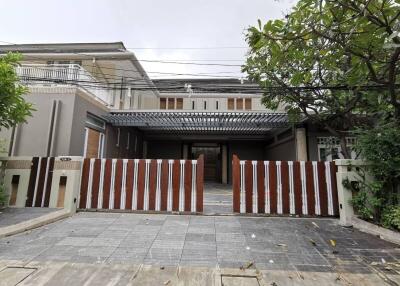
[285, 151]
[164, 150]
[127, 149]
[245, 150]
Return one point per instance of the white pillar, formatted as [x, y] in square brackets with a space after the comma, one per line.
[65, 184]
[185, 151]
[347, 171]
[301, 144]
[17, 166]
[224, 164]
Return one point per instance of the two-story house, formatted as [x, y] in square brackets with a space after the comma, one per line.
[96, 100]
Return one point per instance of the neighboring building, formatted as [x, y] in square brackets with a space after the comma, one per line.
[96, 100]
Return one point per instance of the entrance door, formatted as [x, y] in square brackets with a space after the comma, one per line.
[93, 143]
[212, 161]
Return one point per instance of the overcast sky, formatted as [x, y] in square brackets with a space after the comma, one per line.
[152, 29]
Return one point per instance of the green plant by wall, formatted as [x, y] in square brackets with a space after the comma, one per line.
[391, 217]
[379, 200]
[3, 196]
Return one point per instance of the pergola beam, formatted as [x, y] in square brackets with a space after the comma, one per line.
[194, 121]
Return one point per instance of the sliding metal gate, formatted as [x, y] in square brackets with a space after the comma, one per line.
[284, 187]
[142, 184]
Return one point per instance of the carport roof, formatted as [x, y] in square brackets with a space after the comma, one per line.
[172, 121]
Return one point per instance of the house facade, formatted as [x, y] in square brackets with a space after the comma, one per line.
[96, 100]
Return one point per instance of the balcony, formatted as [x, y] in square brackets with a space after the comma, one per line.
[67, 75]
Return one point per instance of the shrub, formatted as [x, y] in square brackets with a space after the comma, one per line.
[379, 200]
[3, 196]
[391, 217]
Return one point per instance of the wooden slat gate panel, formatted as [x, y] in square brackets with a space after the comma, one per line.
[142, 185]
[284, 187]
[39, 186]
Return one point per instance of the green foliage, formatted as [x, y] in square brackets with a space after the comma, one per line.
[391, 217]
[13, 108]
[320, 58]
[3, 196]
[380, 148]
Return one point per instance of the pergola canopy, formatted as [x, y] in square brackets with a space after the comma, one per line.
[243, 122]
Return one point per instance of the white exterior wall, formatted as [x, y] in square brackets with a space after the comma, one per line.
[211, 100]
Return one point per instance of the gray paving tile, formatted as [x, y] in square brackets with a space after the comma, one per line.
[75, 241]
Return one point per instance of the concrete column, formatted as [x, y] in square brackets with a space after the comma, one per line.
[347, 170]
[185, 151]
[301, 144]
[224, 164]
[144, 149]
[21, 167]
[66, 181]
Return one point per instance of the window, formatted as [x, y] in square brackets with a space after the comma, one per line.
[94, 122]
[205, 105]
[216, 105]
[247, 104]
[329, 148]
[171, 103]
[231, 103]
[239, 103]
[163, 103]
[193, 105]
[179, 103]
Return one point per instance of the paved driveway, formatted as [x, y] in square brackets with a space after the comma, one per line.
[223, 242]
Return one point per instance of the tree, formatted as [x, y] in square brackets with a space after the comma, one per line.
[13, 108]
[334, 61]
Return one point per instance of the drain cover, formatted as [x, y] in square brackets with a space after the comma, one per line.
[239, 280]
[14, 275]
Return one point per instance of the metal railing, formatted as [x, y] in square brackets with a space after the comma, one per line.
[67, 74]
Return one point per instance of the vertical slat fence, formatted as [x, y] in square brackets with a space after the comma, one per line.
[142, 185]
[284, 187]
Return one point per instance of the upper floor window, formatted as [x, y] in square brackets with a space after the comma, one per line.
[171, 103]
[163, 103]
[231, 103]
[193, 105]
[247, 104]
[205, 105]
[239, 103]
[179, 103]
[217, 105]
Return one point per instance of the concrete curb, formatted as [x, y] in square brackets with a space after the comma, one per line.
[383, 233]
[34, 223]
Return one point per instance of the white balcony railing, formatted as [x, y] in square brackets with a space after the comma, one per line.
[48, 75]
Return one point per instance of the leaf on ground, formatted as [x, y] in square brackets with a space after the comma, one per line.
[167, 282]
[313, 242]
[333, 242]
[249, 264]
[282, 245]
[315, 224]
[300, 275]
